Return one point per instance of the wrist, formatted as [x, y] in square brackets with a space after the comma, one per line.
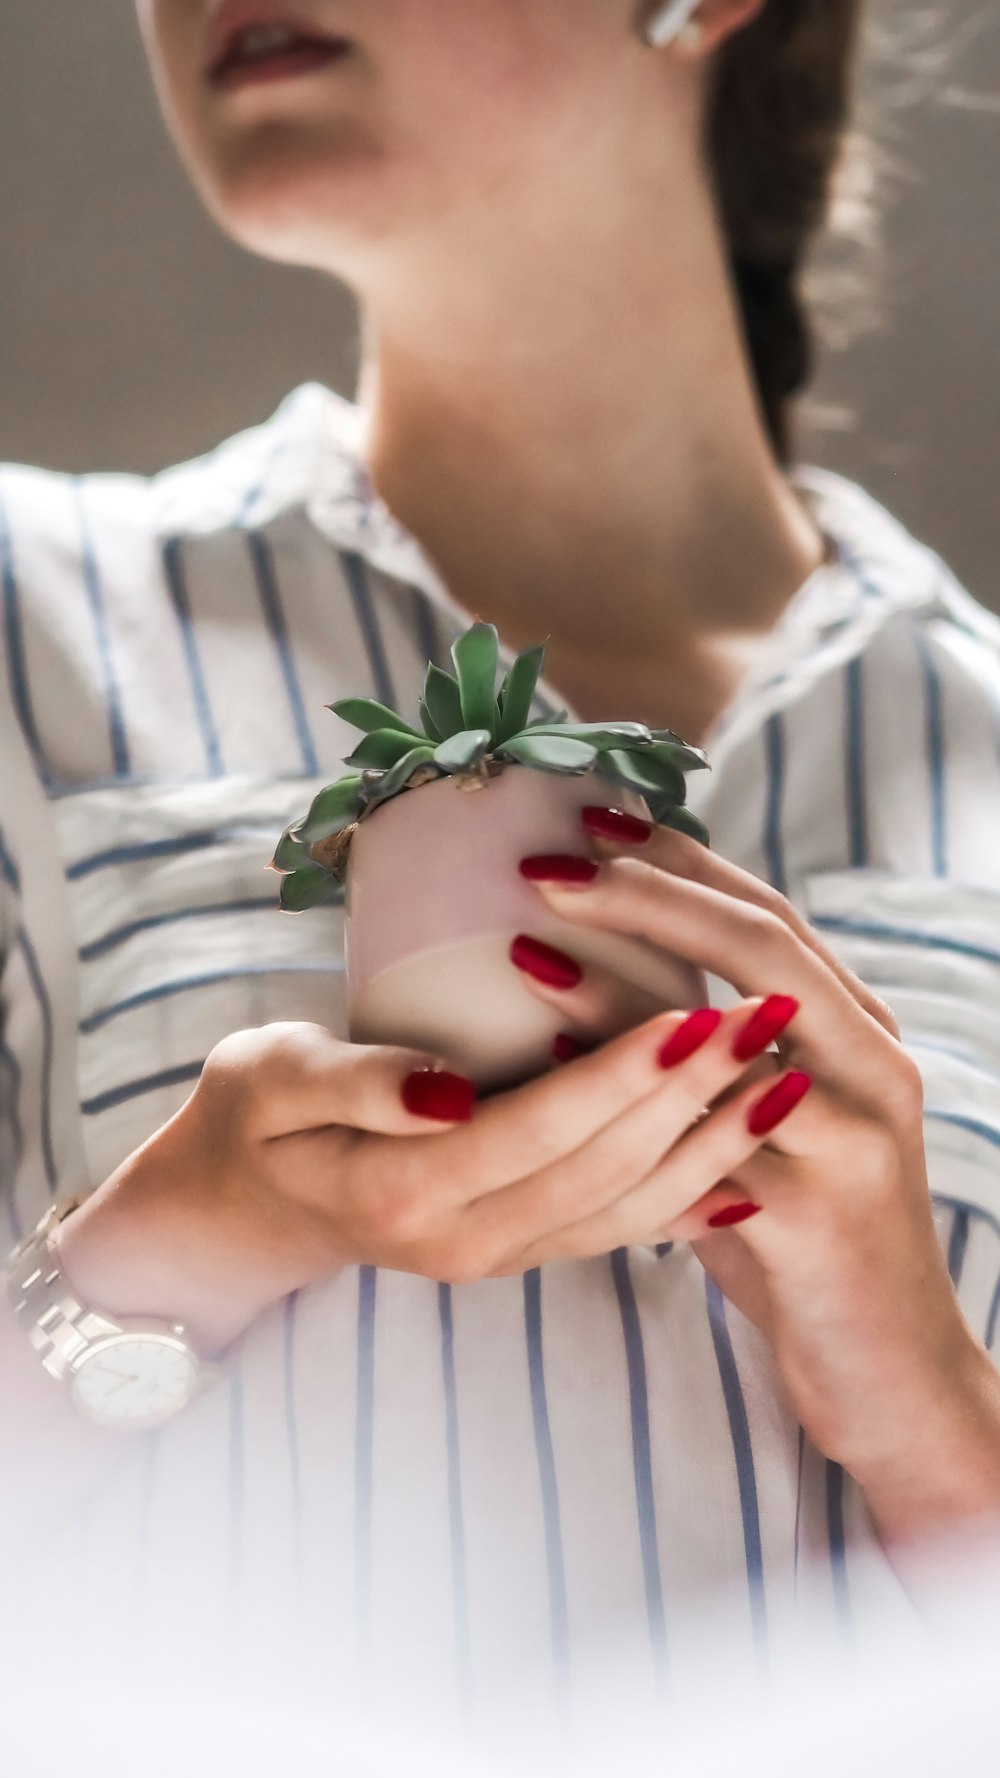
[163, 1238]
[940, 1470]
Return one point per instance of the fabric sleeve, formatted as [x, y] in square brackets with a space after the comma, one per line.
[930, 948]
[11, 1141]
[924, 933]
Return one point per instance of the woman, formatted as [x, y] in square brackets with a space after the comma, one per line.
[508, 1385]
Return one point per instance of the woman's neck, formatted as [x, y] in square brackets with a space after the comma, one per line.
[573, 438]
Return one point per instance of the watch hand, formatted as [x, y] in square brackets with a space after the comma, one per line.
[121, 1385]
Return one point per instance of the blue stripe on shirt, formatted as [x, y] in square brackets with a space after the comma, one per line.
[252, 494]
[866, 586]
[425, 627]
[209, 978]
[456, 1517]
[8, 868]
[739, 1430]
[17, 666]
[41, 994]
[966, 1056]
[838, 1550]
[971, 1213]
[991, 1319]
[173, 566]
[907, 935]
[642, 1466]
[957, 1244]
[854, 747]
[356, 572]
[935, 751]
[975, 1126]
[974, 1211]
[135, 1089]
[858, 841]
[262, 557]
[112, 691]
[551, 1517]
[119, 935]
[170, 848]
[10, 1107]
[774, 754]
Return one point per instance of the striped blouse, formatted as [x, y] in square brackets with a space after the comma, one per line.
[476, 1493]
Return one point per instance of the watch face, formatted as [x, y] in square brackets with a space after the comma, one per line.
[136, 1380]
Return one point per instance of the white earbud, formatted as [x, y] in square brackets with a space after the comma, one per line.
[672, 20]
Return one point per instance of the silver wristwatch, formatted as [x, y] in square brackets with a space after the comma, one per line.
[128, 1374]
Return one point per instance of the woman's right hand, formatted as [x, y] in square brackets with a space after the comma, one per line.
[298, 1153]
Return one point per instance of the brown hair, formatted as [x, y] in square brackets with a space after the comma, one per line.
[778, 127]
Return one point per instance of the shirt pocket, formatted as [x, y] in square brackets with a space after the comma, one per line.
[181, 941]
[930, 947]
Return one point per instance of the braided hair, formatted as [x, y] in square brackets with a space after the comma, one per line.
[778, 121]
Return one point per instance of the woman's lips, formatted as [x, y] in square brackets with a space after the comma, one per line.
[285, 64]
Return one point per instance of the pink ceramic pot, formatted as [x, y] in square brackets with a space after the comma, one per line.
[434, 897]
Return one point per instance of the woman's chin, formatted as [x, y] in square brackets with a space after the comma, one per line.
[318, 209]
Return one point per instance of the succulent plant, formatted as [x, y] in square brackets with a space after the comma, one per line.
[471, 731]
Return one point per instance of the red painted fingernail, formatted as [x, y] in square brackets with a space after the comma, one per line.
[778, 1102]
[557, 867]
[615, 824]
[724, 1219]
[432, 1092]
[545, 963]
[566, 1048]
[771, 1016]
[690, 1036]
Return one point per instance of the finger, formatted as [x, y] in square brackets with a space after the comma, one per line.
[297, 1076]
[731, 1204]
[690, 1171]
[684, 856]
[519, 1133]
[618, 1156]
[600, 1004]
[747, 945]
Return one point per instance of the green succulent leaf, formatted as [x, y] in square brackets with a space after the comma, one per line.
[675, 815]
[382, 747]
[365, 713]
[443, 701]
[554, 753]
[333, 808]
[475, 656]
[309, 888]
[463, 750]
[599, 734]
[679, 754]
[519, 691]
[290, 852]
[399, 775]
[430, 727]
[642, 772]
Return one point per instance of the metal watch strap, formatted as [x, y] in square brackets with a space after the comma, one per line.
[58, 1327]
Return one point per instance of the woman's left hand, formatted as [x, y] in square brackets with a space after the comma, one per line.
[842, 1269]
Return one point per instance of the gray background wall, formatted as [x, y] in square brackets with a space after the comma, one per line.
[133, 334]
